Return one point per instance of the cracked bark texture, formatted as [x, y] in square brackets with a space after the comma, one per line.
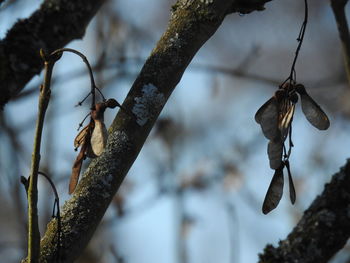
[323, 229]
[52, 26]
[191, 24]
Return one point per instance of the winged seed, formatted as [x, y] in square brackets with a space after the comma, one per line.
[275, 192]
[267, 117]
[313, 112]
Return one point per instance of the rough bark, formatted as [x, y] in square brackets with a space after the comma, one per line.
[322, 231]
[191, 24]
[55, 24]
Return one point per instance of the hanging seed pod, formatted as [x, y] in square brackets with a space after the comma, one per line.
[99, 134]
[312, 111]
[292, 194]
[275, 115]
[92, 139]
[267, 117]
[275, 191]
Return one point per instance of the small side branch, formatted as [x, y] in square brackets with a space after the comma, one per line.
[338, 7]
[33, 231]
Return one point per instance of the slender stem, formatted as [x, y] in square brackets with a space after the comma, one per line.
[92, 80]
[292, 79]
[338, 7]
[33, 231]
[292, 75]
[300, 40]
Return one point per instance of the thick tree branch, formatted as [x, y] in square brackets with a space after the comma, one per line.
[55, 24]
[192, 23]
[323, 229]
[338, 7]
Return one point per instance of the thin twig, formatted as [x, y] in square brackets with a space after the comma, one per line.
[292, 75]
[338, 7]
[238, 72]
[92, 80]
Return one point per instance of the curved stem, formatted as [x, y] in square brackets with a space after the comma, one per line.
[58, 214]
[92, 80]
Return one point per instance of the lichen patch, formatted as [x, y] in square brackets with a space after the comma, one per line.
[207, 2]
[147, 106]
[175, 41]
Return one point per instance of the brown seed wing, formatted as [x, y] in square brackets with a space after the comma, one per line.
[274, 152]
[275, 192]
[267, 117]
[76, 169]
[79, 139]
[262, 109]
[313, 112]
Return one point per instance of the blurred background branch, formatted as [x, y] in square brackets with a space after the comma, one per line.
[52, 26]
[338, 7]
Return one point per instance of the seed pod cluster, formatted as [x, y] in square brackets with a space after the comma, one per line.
[275, 118]
[91, 139]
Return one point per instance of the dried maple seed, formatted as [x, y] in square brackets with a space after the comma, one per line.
[274, 192]
[92, 139]
[312, 111]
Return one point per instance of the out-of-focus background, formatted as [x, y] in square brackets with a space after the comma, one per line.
[195, 192]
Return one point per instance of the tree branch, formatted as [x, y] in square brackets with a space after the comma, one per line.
[323, 229]
[191, 24]
[55, 24]
[338, 7]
